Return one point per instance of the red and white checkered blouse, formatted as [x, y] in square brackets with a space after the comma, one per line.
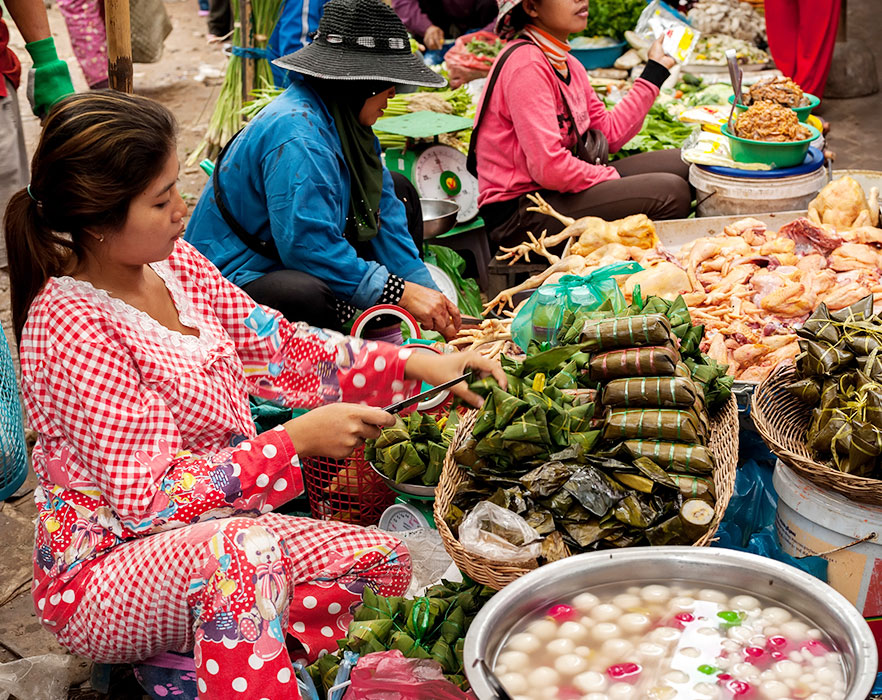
[144, 429]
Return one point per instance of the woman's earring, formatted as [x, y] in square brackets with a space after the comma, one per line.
[101, 238]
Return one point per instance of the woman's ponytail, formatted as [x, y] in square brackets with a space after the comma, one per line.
[35, 254]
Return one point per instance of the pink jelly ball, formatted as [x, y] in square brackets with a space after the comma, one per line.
[721, 677]
[755, 655]
[777, 643]
[739, 689]
[624, 671]
[684, 618]
[568, 692]
[816, 648]
[563, 613]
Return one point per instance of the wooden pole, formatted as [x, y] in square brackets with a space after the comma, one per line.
[247, 63]
[119, 45]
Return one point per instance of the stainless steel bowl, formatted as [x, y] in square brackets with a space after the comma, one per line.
[408, 489]
[439, 216]
[791, 587]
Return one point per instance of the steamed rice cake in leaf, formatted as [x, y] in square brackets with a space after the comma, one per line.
[547, 479]
[506, 408]
[819, 326]
[822, 359]
[626, 332]
[586, 441]
[554, 548]
[668, 532]
[672, 456]
[660, 392]
[540, 520]
[656, 424]
[586, 533]
[523, 451]
[511, 499]
[530, 427]
[393, 434]
[580, 417]
[807, 390]
[633, 362]
[409, 465]
[594, 490]
[486, 420]
[635, 512]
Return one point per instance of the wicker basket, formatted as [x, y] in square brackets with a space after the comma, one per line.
[782, 420]
[723, 443]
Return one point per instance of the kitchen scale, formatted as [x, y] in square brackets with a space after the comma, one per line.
[437, 171]
[407, 513]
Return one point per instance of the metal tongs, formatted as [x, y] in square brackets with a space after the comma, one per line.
[492, 680]
[735, 77]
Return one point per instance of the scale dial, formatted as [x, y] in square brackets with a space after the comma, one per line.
[440, 172]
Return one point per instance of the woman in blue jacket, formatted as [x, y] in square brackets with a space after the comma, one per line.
[307, 220]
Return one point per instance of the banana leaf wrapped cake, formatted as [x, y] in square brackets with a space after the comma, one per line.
[840, 374]
[600, 442]
[412, 451]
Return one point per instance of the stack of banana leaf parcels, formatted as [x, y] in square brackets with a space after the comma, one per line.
[412, 451]
[601, 441]
[840, 370]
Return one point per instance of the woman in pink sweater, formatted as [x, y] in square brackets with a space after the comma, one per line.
[534, 116]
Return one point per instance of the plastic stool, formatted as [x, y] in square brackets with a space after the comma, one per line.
[471, 239]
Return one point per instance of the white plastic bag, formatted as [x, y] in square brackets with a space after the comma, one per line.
[678, 38]
[516, 542]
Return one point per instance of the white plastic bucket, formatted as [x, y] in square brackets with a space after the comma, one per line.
[721, 195]
[811, 520]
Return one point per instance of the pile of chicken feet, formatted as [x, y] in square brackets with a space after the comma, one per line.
[750, 287]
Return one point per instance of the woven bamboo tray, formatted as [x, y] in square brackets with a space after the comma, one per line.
[782, 420]
[723, 442]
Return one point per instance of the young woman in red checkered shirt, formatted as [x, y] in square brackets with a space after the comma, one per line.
[156, 527]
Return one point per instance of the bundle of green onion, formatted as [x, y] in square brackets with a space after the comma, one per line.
[228, 118]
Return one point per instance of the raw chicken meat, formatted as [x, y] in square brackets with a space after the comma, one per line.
[842, 204]
[810, 237]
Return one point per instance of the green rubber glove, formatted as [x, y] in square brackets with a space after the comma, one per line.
[49, 79]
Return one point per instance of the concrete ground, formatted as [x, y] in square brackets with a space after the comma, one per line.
[855, 138]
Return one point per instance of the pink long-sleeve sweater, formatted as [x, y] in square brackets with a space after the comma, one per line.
[523, 145]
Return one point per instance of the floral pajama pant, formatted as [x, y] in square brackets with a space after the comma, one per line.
[88, 37]
[232, 590]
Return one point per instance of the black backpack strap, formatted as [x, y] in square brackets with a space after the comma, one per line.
[471, 159]
[265, 248]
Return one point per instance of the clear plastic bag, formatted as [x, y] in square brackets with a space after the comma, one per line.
[498, 533]
[540, 318]
[389, 675]
[678, 37]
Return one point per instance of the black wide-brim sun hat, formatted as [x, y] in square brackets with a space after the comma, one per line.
[361, 40]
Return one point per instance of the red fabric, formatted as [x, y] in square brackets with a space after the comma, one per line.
[522, 145]
[801, 39]
[9, 63]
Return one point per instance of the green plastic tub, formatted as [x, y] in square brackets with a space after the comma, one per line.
[778, 154]
[802, 113]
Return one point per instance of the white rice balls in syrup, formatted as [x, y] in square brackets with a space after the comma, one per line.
[669, 642]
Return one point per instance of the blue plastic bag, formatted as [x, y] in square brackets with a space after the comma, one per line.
[540, 318]
[749, 523]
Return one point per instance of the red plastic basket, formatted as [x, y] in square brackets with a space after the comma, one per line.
[348, 490]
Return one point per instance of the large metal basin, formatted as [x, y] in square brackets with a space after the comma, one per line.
[771, 579]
